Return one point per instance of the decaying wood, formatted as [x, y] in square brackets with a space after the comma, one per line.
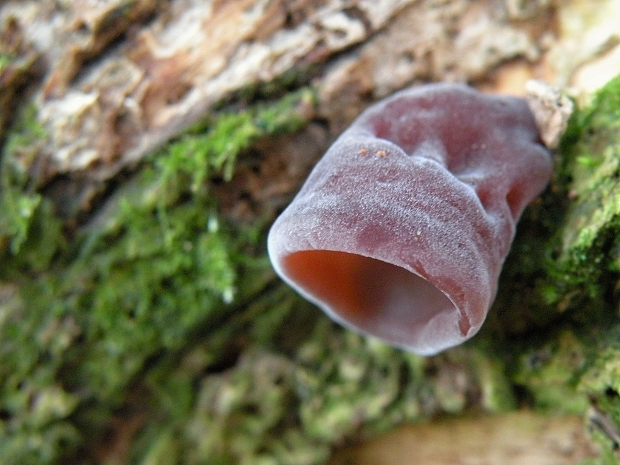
[124, 77]
[551, 108]
[522, 438]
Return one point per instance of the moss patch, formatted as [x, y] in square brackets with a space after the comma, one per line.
[89, 314]
[277, 406]
[568, 261]
[589, 234]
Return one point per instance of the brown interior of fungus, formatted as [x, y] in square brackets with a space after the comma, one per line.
[377, 297]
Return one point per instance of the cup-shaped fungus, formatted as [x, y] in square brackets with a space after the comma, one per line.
[401, 229]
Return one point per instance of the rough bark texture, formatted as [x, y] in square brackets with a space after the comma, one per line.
[148, 144]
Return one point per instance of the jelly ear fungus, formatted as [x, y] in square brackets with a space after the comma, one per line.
[401, 229]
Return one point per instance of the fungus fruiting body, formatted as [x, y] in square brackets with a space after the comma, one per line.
[402, 228]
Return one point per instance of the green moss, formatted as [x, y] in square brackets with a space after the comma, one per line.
[568, 261]
[18, 199]
[551, 374]
[564, 261]
[88, 315]
[293, 406]
[601, 384]
[5, 60]
[589, 232]
[496, 389]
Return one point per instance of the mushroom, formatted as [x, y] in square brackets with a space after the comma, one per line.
[402, 228]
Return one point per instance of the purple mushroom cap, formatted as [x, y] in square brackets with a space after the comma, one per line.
[401, 229]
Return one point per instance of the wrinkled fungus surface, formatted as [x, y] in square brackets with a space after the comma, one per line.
[402, 228]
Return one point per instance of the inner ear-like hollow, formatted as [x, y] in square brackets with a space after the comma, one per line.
[374, 296]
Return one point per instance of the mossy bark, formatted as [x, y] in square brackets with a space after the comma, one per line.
[140, 320]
